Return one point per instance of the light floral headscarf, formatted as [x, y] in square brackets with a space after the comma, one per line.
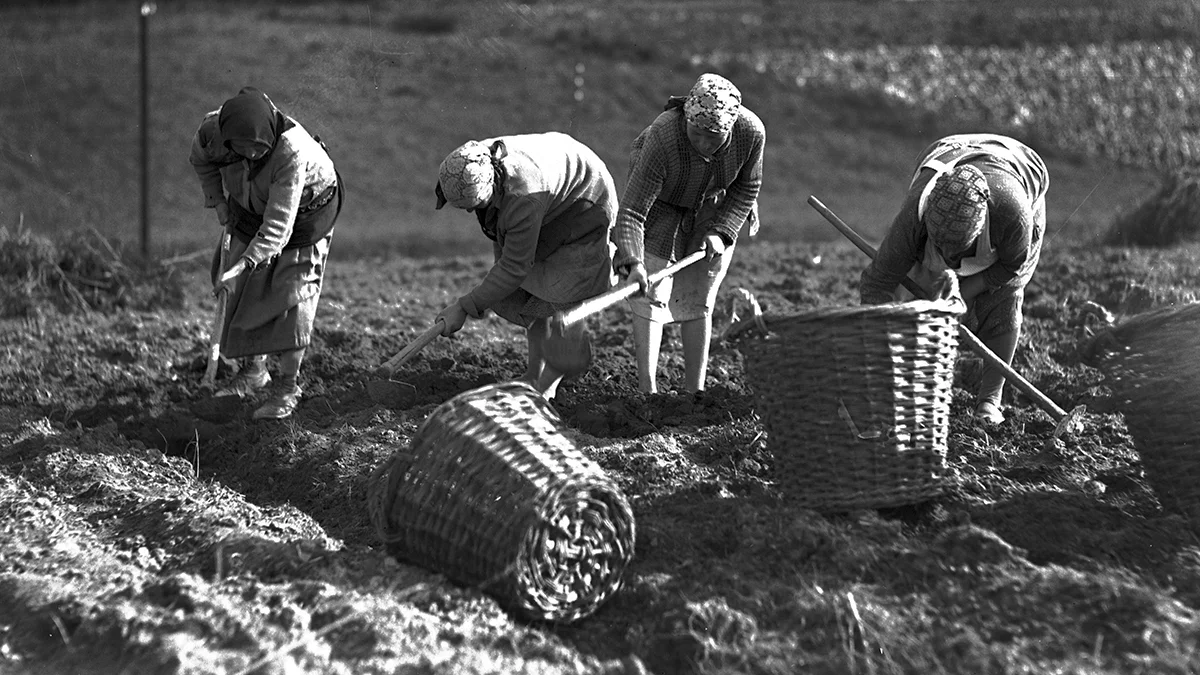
[713, 104]
[956, 207]
[466, 177]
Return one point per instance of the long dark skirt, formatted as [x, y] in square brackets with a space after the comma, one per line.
[273, 307]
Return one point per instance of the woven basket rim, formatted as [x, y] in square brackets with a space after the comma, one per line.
[886, 371]
[550, 534]
[911, 308]
[485, 392]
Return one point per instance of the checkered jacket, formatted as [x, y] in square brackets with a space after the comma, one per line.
[668, 180]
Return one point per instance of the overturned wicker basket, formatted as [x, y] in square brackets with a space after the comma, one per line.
[1152, 364]
[492, 494]
[856, 401]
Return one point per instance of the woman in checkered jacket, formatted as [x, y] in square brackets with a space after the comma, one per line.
[694, 179]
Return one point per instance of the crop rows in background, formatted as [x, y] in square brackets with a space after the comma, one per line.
[1105, 78]
[854, 24]
[1135, 103]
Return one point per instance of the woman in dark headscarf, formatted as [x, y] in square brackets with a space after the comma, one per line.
[275, 187]
[976, 205]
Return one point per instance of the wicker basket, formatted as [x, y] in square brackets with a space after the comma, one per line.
[492, 494]
[856, 402]
[1152, 364]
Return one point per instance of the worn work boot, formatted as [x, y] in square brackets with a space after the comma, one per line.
[281, 400]
[989, 411]
[246, 382]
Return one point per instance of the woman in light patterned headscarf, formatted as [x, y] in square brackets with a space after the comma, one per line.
[694, 179]
[976, 205]
[548, 203]
[275, 188]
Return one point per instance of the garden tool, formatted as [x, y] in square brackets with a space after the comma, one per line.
[1064, 422]
[410, 350]
[386, 391]
[571, 357]
[218, 322]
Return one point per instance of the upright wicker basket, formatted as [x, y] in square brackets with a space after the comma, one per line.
[1152, 364]
[492, 494]
[856, 401]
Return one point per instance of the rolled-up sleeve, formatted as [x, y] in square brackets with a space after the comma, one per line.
[521, 224]
[279, 218]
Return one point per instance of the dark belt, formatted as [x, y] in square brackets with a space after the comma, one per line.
[320, 200]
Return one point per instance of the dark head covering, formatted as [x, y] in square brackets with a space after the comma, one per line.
[955, 211]
[250, 116]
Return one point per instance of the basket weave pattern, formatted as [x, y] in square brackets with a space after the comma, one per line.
[492, 494]
[856, 402]
[1153, 369]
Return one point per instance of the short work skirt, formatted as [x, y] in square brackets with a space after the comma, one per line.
[688, 295]
[691, 292]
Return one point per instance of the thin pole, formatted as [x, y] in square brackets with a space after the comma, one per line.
[148, 8]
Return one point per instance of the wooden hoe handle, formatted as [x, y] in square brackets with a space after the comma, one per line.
[610, 298]
[976, 345]
[413, 347]
[218, 322]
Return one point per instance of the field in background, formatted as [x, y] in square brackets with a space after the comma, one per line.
[146, 526]
[394, 86]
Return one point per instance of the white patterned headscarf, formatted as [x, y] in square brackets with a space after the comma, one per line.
[713, 104]
[466, 176]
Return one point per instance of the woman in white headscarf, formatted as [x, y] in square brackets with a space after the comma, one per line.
[976, 205]
[275, 186]
[694, 179]
[548, 203]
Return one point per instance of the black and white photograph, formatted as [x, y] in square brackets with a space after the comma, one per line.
[599, 337]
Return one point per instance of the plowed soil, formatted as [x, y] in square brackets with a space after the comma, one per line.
[149, 527]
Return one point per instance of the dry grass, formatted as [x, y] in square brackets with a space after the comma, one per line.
[77, 271]
[1169, 216]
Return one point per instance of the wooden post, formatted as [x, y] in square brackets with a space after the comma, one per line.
[147, 9]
